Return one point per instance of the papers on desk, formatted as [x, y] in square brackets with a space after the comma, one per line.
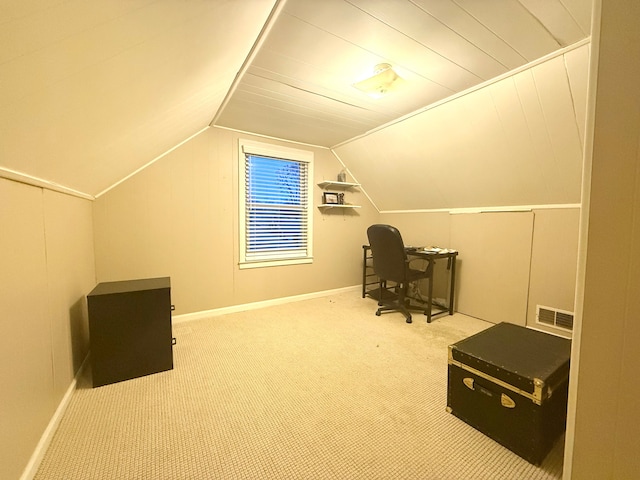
[438, 250]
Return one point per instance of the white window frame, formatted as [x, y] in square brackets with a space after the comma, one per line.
[249, 147]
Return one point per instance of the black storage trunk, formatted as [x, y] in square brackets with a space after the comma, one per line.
[510, 383]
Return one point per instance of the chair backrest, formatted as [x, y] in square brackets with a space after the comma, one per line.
[387, 250]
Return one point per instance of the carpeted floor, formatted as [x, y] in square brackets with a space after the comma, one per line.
[316, 389]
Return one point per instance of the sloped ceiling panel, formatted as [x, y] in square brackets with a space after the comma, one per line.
[514, 142]
[92, 91]
[299, 85]
[577, 63]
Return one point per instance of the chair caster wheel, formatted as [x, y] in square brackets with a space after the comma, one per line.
[377, 313]
[409, 320]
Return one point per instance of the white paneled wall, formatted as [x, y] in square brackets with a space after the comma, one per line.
[47, 269]
[495, 259]
[514, 142]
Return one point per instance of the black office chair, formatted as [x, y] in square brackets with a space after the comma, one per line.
[390, 263]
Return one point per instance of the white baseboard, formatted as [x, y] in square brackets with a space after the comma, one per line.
[187, 317]
[38, 454]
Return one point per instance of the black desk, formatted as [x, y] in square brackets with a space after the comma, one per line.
[369, 279]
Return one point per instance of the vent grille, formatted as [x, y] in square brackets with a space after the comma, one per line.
[554, 317]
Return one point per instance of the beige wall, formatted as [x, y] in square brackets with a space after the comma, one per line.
[178, 218]
[494, 264]
[46, 242]
[554, 261]
[490, 244]
[603, 433]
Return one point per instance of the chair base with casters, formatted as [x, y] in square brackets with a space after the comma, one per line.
[399, 302]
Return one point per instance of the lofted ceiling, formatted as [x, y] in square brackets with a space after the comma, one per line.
[298, 85]
[90, 92]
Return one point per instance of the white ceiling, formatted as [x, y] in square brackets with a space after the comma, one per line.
[92, 91]
[299, 84]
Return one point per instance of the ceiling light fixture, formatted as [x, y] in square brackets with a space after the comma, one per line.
[384, 80]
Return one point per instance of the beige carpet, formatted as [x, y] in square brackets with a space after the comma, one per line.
[317, 389]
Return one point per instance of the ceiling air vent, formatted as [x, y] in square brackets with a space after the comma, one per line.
[554, 317]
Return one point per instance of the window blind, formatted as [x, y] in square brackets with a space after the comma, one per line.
[276, 203]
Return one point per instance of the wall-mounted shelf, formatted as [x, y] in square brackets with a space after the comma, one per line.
[336, 184]
[336, 205]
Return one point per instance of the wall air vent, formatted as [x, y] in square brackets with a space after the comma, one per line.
[554, 317]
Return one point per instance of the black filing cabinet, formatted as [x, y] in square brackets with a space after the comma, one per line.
[130, 329]
[510, 382]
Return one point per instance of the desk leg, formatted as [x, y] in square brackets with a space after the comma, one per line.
[364, 272]
[452, 279]
[430, 292]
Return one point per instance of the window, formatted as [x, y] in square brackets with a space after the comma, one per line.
[275, 209]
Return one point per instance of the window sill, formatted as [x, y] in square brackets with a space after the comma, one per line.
[274, 263]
